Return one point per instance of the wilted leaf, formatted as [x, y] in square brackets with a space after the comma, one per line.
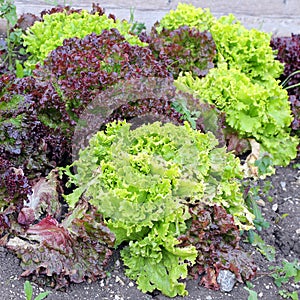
[75, 251]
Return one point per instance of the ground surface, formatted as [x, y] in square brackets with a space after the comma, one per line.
[283, 234]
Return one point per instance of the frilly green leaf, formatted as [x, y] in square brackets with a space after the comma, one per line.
[252, 109]
[143, 180]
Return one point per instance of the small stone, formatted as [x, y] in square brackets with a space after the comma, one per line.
[131, 284]
[275, 207]
[118, 279]
[261, 203]
[208, 298]
[283, 185]
[260, 294]
[298, 231]
[296, 286]
[227, 280]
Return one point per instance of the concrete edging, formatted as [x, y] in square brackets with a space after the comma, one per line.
[279, 17]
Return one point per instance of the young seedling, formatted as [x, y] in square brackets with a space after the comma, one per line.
[285, 82]
[28, 290]
[137, 27]
[8, 12]
[254, 193]
[288, 270]
[13, 37]
[252, 294]
[283, 274]
[287, 295]
[191, 116]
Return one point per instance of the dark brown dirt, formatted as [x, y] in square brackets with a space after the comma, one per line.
[283, 234]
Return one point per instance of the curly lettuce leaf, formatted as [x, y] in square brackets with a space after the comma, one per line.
[137, 177]
[246, 50]
[187, 14]
[156, 263]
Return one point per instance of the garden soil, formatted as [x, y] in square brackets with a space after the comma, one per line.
[283, 214]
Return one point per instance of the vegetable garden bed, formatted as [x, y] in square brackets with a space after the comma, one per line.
[149, 155]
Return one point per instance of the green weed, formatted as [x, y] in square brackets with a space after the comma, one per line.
[28, 290]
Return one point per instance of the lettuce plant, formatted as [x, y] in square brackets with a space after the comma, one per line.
[246, 50]
[14, 47]
[38, 113]
[251, 109]
[213, 232]
[143, 180]
[184, 49]
[82, 67]
[189, 15]
[50, 33]
[75, 250]
[287, 49]
[27, 140]
[242, 84]
[112, 68]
